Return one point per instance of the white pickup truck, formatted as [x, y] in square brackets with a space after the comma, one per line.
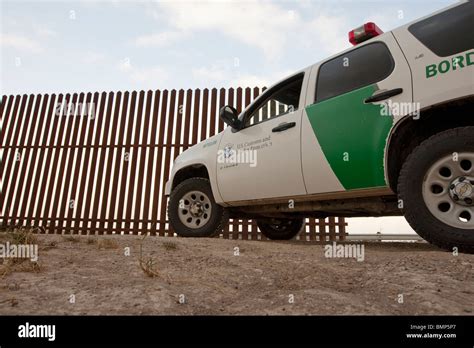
[383, 128]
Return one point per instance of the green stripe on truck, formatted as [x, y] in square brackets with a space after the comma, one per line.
[352, 136]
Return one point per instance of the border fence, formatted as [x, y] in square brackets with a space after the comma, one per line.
[97, 163]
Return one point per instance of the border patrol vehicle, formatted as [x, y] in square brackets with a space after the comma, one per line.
[384, 128]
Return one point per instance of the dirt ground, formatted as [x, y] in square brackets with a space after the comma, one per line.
[205, 276]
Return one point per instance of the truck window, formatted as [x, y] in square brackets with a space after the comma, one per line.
[355, 69]
[281, 99]
[448, 32]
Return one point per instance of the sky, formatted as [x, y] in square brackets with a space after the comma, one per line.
[87, 46]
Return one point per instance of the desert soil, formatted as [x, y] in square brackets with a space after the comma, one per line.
[205, 276]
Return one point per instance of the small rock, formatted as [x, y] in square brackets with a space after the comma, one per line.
[13, 286]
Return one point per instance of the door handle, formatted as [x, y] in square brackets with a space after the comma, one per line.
[284, 126]
[383, 95]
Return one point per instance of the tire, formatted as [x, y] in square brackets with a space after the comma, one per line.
[193, 212]
[436, 187]
[280, 229]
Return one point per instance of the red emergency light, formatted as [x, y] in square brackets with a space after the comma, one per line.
[363, 33]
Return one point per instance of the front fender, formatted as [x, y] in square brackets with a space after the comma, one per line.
[203, 153]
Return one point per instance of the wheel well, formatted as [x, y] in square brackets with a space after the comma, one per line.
[411, 132]
[193, 171]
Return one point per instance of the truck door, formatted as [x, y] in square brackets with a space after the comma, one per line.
[350, 110]
[263, 159]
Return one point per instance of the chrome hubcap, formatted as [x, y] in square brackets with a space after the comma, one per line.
[194, 209]
[448, 190]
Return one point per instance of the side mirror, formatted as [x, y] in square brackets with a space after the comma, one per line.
[230, 117]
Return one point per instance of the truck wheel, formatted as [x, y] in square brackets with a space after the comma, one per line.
[193, 212]
[280, 229]
[436, 186]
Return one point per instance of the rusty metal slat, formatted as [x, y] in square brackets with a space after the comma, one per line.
[244, 233]
[204, 114]
[322, 229]
[212, 126]
[141, 173]
[134, 158]
[160, 175]
[332, 229]
[254, 230]
[187, 119]
[177, 139]
[171, 117]
[310, 228]
[248, 96]
[222, 103]
[149, 171]
[239, 105]
[126, 160]
[179, 121]
[151, 161]
[196, 115]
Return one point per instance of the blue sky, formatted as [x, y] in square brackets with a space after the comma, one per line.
[70, 46]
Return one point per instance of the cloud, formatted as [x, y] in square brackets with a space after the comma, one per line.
[45, 32]
[92, 57]
[267, 26]
[215, 73]
[224, 74]
[144, 77]
[328, 33]
[165, 38]
[150, 76]
[258, 23]
[20, 42]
